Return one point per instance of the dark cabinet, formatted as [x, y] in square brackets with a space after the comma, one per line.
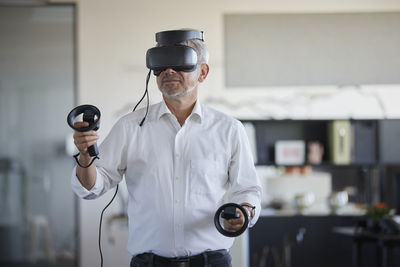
[298, 241]
[373, 169]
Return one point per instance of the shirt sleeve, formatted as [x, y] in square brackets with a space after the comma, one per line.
[82, 192]
[110, 167]
[245, 184]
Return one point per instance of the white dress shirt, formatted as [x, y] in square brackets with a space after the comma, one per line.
[177, 177]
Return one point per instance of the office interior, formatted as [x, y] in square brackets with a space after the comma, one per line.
[315, 83]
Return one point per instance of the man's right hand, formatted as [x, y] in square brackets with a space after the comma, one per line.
[83, 140]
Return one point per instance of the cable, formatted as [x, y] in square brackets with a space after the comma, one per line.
[146, 93]
[147, 108]
[91, 162]
[101, 220]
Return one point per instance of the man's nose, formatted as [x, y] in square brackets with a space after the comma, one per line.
[169, 71]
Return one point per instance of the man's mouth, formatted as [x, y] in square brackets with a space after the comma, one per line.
[170, 80]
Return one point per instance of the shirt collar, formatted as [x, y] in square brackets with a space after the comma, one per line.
[165, 110]
[197, 110]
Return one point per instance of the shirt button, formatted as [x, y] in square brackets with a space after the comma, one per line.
[177, 200]
[177, 177]
[177, 155]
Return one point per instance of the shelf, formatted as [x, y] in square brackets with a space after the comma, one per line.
[328, 165]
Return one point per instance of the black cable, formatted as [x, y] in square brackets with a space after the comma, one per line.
[101, 220]
[147, 110]
[91, 162]
[146, 93]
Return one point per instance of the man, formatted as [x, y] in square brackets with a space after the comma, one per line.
[179, 167]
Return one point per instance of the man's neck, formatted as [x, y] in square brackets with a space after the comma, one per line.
[181, 108]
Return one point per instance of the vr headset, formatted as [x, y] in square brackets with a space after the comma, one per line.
[171, 53]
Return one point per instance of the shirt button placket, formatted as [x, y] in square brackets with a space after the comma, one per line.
[178, 192]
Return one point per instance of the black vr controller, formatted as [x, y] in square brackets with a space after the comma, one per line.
[171, 53]
[228, 211]
[90, 114]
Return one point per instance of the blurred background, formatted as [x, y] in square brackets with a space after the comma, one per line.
[316, 84]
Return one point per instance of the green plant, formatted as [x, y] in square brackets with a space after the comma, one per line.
[377, 211]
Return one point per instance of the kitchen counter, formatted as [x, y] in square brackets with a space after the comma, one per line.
[350, 209]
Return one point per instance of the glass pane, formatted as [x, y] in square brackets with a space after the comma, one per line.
[37, 208]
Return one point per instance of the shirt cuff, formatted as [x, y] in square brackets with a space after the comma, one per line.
[81, 191]
[252, 200]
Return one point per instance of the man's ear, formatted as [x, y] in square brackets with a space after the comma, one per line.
[204, 69]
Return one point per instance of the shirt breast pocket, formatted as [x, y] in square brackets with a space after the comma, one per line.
[207, 176]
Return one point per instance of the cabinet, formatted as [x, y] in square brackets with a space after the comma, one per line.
[310, 241]
[374, 170]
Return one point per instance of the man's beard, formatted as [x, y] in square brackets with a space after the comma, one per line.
[177, 95]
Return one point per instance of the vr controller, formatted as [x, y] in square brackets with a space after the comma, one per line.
[90, 114]
[171, 53]
[229, 211]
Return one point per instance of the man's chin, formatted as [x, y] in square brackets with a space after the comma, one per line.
[176, 94]
[173, 94]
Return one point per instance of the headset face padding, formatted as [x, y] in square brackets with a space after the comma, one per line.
[177, 57]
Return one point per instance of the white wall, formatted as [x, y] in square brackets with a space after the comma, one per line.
[114, 35]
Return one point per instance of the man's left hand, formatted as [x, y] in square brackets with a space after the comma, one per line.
[234, 225]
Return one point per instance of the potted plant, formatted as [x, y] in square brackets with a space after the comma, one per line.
[374, 215]
[378, 219]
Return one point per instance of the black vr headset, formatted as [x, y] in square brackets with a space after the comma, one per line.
[171, 53]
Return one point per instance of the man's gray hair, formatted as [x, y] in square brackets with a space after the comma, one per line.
[199, 46]
[201, 50]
